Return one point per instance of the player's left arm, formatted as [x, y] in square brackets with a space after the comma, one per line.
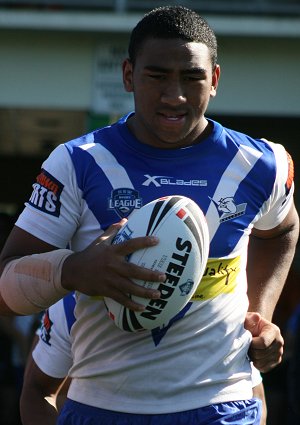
[270, 255]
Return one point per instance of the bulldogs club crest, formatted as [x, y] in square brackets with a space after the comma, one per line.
[228, 209]
[124, 201]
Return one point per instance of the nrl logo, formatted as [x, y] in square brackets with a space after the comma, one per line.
[124, 235]
[124, 201]
[228, 209]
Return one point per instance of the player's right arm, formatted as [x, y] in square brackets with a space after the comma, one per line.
[37, 392]
[46, 381]
[19, 243]
[36, 268]
[38, 281]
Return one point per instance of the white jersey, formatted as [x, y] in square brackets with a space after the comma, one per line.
[200, 356]
[52, 353]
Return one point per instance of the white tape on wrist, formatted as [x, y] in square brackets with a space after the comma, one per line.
[31, 284]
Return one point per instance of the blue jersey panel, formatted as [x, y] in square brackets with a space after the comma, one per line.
[69, 305]
[222, 174]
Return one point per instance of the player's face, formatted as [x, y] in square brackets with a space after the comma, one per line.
[172, 82]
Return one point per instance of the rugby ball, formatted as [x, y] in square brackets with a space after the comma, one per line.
[181, 254]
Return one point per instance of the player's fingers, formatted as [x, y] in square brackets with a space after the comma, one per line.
[259, 346]
[133, 271]
[267, 358]
[273, 352]
[149, 279]
[111, 232]
[269, 338]
[126, 301]
[267, 363]
[265, 367]
[252, 322]
[132, 245]
[125, 289]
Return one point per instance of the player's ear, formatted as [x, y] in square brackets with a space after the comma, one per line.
[215, 80]
[128, 75]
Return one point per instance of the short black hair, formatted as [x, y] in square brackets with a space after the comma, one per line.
[172, 22]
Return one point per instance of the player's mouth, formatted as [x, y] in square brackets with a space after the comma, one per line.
[171, 118]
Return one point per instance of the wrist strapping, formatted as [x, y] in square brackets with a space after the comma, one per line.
[31, 284]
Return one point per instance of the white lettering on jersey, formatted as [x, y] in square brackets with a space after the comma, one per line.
[159, 181]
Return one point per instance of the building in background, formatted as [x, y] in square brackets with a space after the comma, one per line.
[60, 73]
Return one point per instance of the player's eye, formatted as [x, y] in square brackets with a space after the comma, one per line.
[194, 77]
[155, 76]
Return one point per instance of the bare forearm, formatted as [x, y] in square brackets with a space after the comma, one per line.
[269, 261]
[36, 410]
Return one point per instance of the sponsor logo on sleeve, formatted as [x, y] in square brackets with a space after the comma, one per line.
[290, 177]
[46, 194]
[46, 328]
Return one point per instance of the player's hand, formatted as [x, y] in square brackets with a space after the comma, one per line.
[102, 269]
[266, 349]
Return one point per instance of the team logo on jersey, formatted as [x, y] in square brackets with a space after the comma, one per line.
[186, 287]
[46, 194]
[124, 201]
[46, 327]
[228, 209]
[159, 181]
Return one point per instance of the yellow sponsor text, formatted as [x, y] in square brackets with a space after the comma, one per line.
[220, 277]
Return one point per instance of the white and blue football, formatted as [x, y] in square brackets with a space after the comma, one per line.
[181, 254]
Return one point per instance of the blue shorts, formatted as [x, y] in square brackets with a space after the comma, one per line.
[246, 412]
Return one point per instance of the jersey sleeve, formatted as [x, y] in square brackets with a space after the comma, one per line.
[52, 354]
[53, 210]
[279, 203]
